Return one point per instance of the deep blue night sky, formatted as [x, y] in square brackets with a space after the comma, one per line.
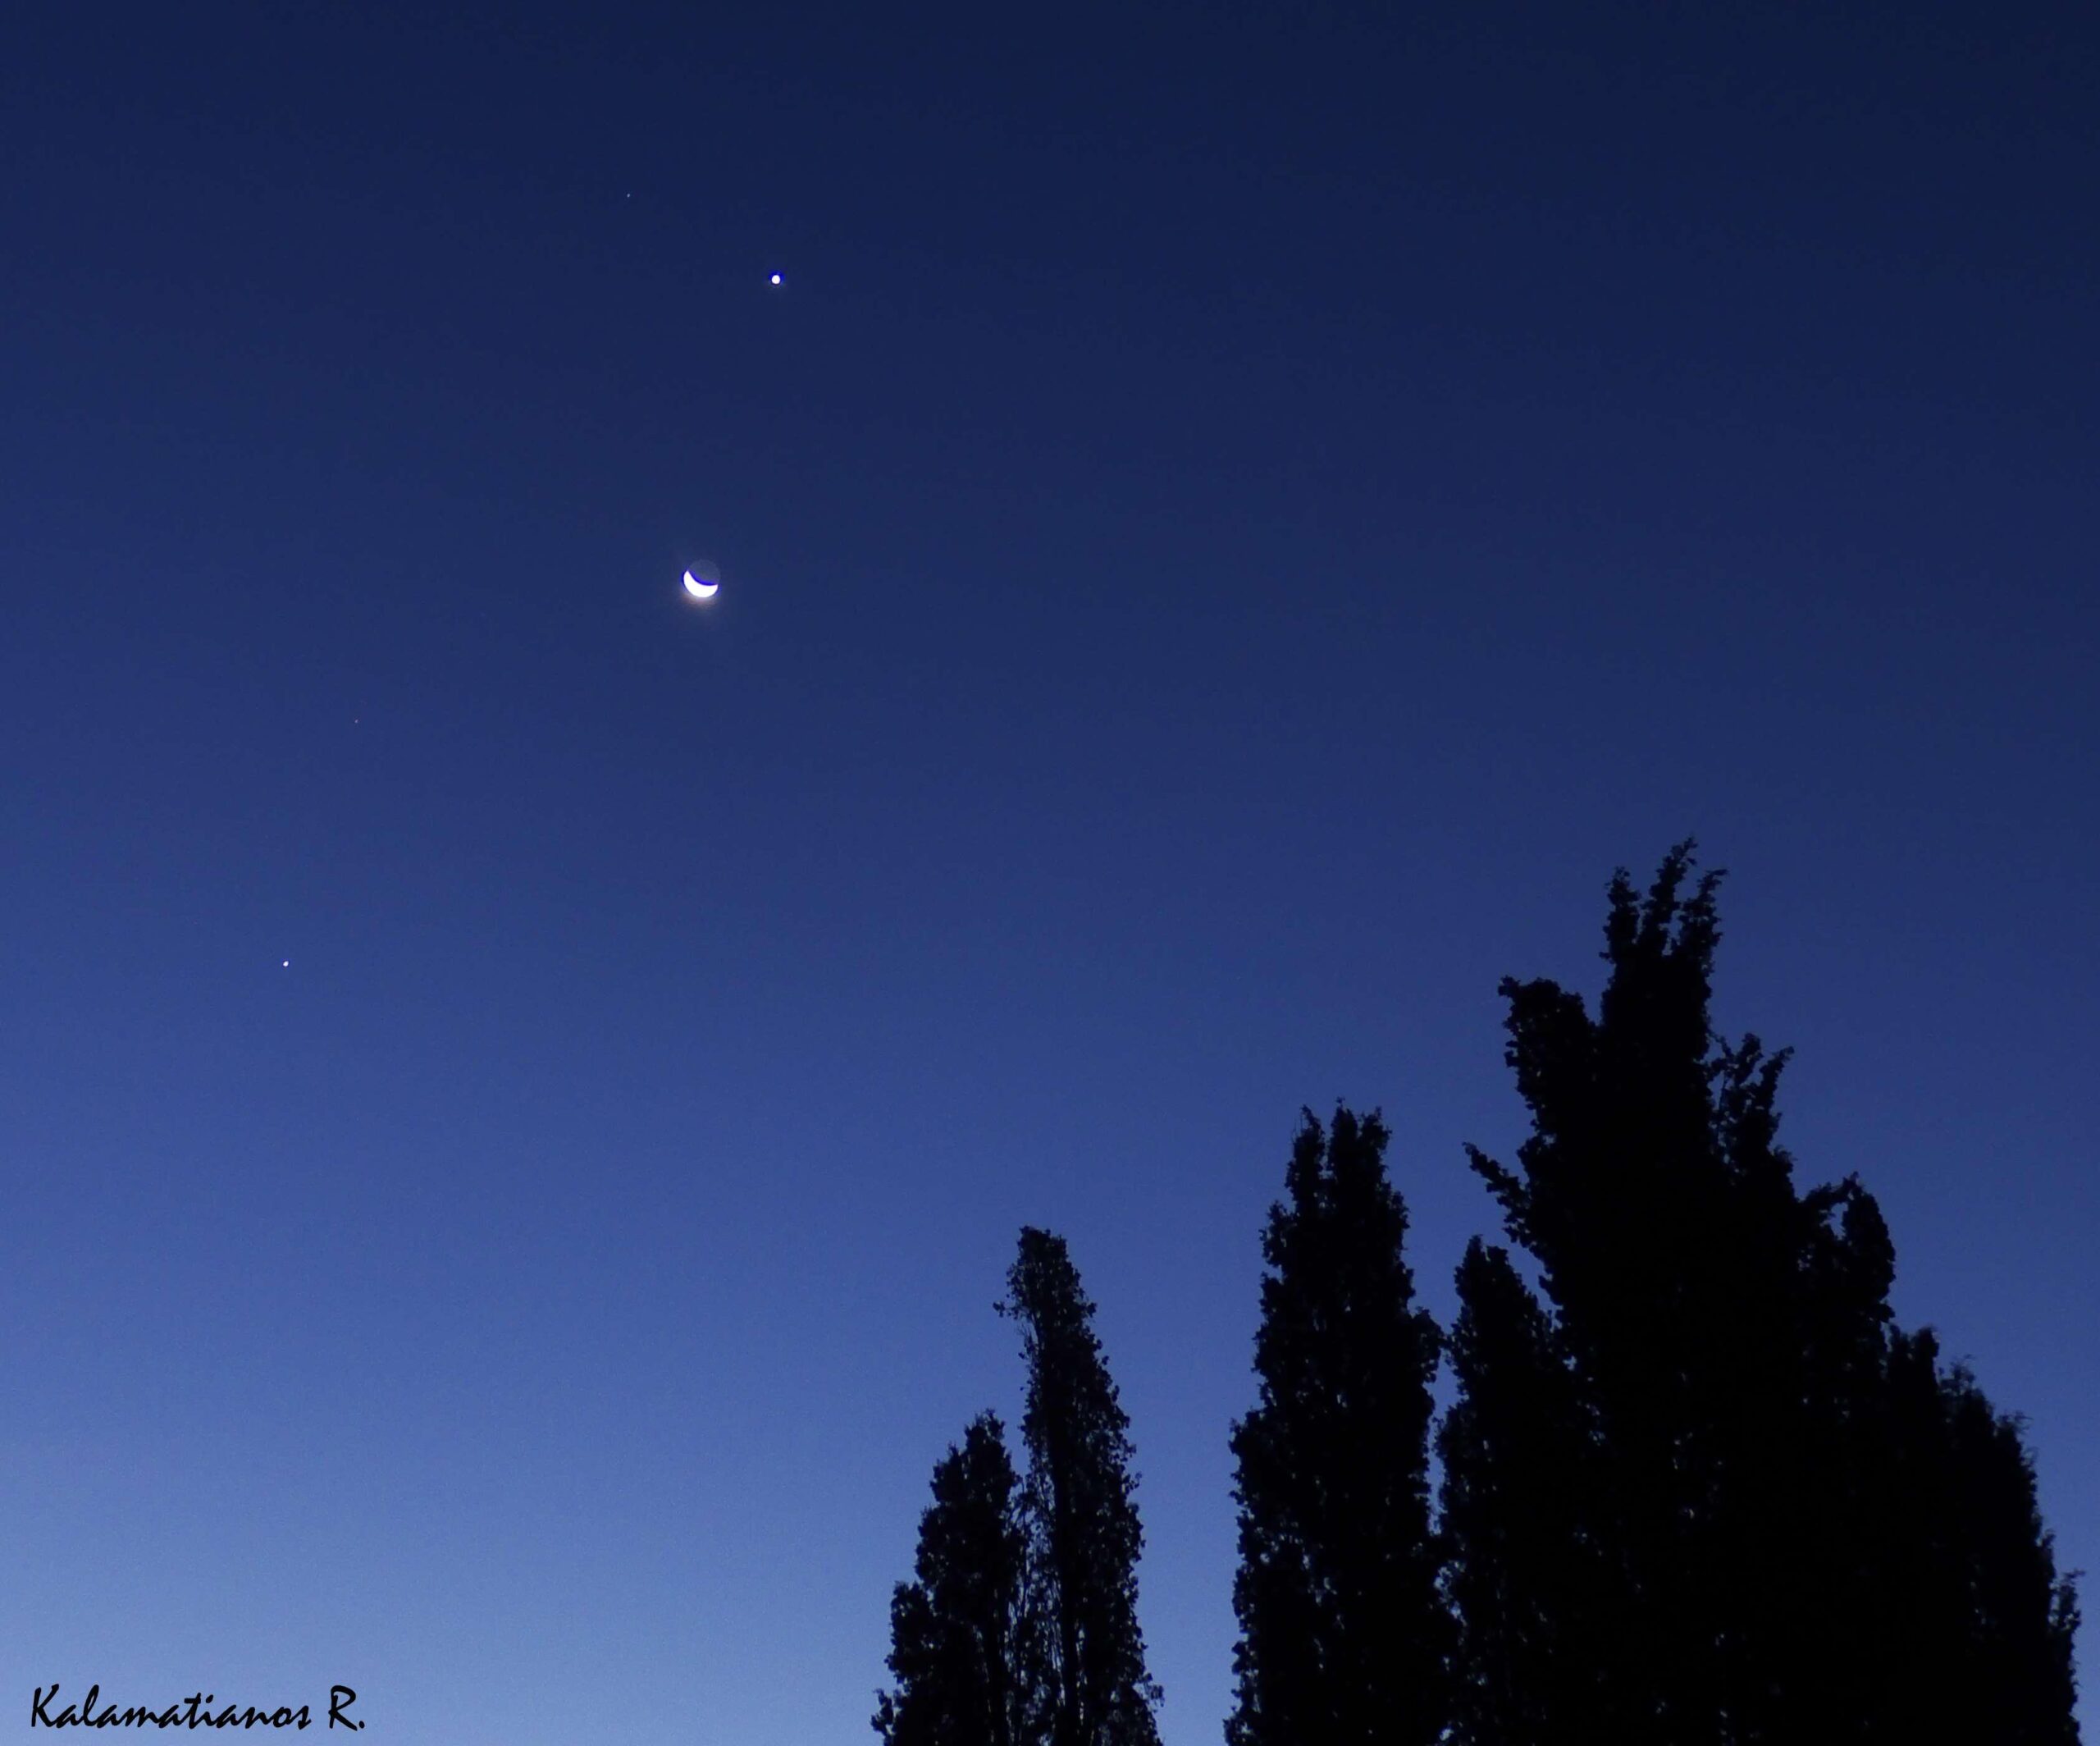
[1236, 519]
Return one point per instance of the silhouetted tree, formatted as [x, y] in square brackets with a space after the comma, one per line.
[1624, 1198]
[1973, 1630]
[2017, 1661]
[958, 1634]
[1531, 1589]
[1091, 1683]
[1787, 1502]
[1344, 1639]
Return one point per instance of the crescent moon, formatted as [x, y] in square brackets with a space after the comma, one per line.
[700, 590]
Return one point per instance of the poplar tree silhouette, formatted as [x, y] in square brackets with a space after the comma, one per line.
[1344, 1640]
[1805, 1531]
[958, 1633]
[1532, 1591]
[1021, 1628]
[1090, 1683]
[1974, 1628]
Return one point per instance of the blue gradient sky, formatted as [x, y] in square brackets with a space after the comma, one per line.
[1232, 528]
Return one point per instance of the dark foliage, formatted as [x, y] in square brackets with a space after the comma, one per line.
[1973, 1630]
[1802, 1531]
[1699, 1489]
[1343, 1638]
[1022, 1627]
[1533, 1594]
[1088, 1660]
[957, 1632]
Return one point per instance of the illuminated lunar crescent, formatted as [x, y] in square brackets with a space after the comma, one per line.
[702, 582]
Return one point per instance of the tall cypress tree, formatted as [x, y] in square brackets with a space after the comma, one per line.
[1343, 1636]
[958, 1633]
[1080, 1513]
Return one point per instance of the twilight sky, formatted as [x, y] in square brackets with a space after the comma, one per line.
[1236, 519]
